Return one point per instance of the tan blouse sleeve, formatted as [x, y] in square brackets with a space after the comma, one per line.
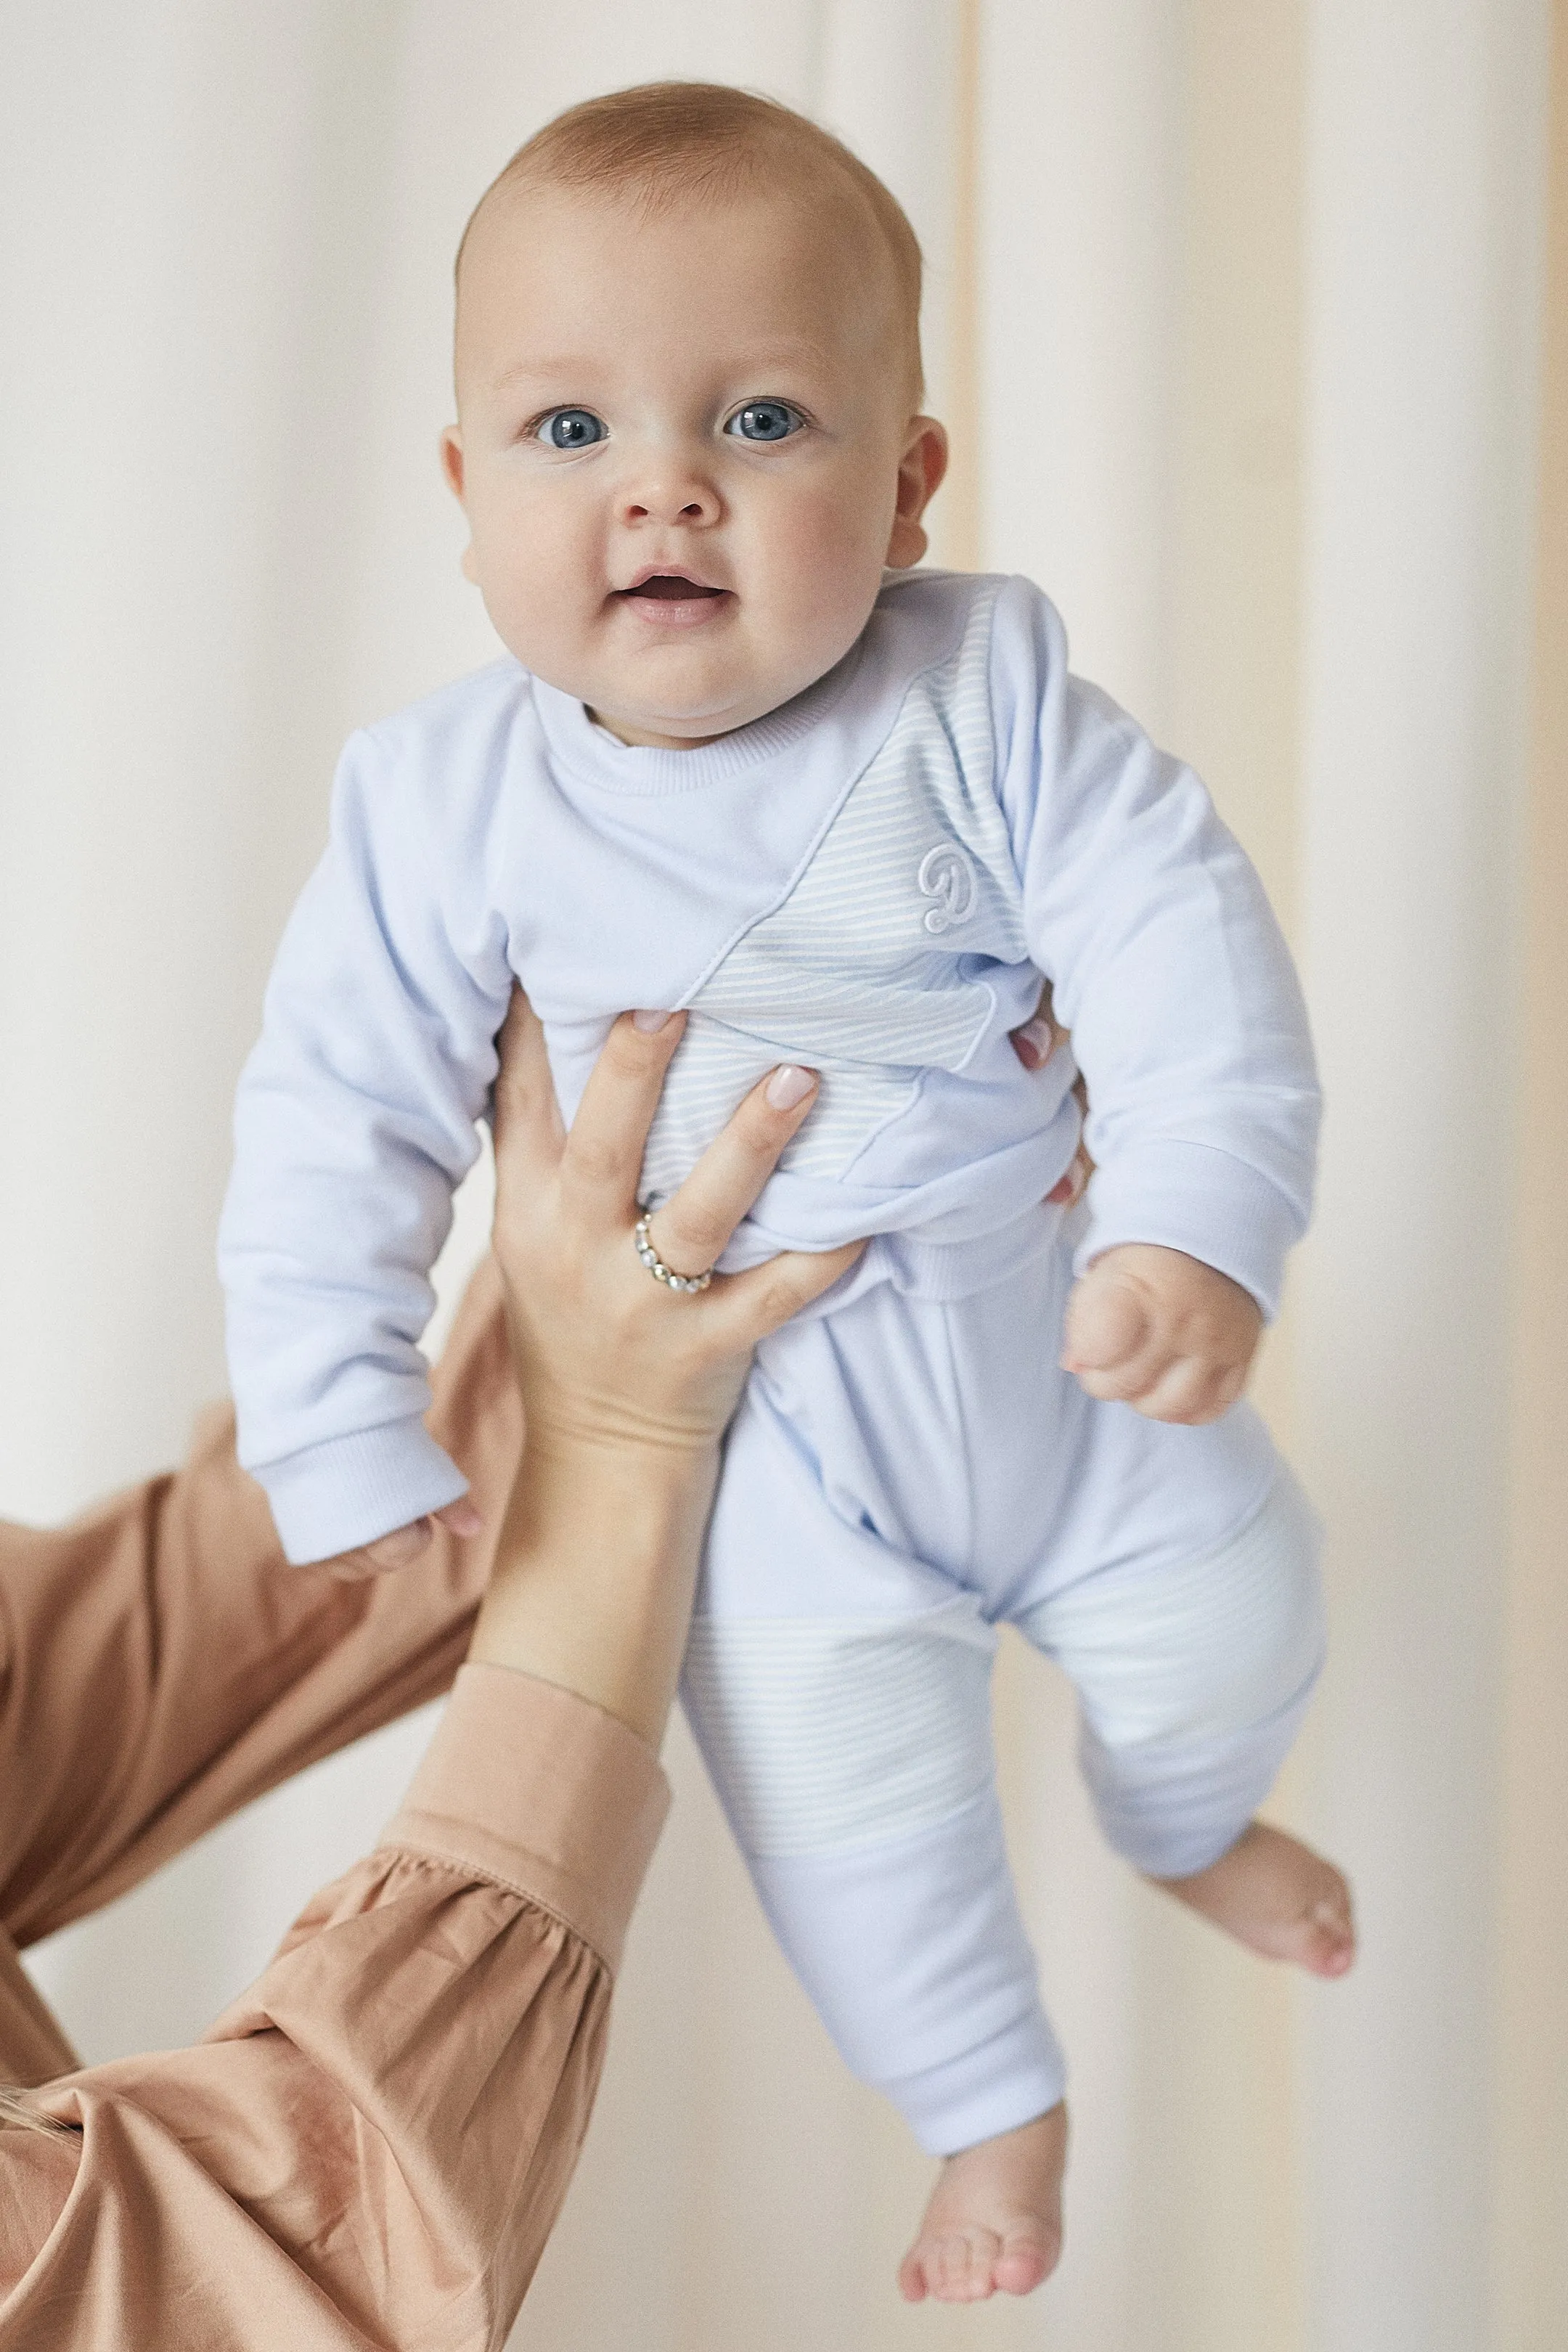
[161, 1665]
[371, 2147]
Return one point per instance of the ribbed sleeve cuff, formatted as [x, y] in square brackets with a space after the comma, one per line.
[529, 1784]
[1192, 1197]
[328, 1499]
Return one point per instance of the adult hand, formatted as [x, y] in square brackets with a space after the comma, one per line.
[626, 1385]
[604, 1350]
[1034, 1042]
[601, 1348]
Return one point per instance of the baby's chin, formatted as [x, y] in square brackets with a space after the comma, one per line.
[671, 731]
[678, 721]
[713, 707]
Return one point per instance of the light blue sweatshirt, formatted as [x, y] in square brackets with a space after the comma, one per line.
[870, 881]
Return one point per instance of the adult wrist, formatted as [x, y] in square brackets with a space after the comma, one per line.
[621, 1502]
[596, 1567]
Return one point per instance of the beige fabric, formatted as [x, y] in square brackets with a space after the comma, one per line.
[371, 2145]
[195, 1669]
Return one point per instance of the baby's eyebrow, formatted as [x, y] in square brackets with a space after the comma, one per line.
[791, 352]
[579, 369]
[544, 371]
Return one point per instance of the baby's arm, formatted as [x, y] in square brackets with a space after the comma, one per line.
[355, 1120]
[1169, 969]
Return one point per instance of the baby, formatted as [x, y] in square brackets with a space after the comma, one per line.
[742, 761]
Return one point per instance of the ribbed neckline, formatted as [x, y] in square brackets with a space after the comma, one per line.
[595, 757]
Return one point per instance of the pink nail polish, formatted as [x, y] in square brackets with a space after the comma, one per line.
[1034, 1041]
[789, 1086]
[650, 1024]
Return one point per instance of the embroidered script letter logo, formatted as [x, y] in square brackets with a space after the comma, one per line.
[947, 876]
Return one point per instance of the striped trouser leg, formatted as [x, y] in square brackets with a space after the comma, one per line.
[853, 1756]
[1192, 1681]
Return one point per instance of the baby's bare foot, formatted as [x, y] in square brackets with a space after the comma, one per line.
[994, 2218]
[1277, 1896]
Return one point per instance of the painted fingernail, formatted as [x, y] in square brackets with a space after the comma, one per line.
[650, 1024]
[1033, 1042]
[789, 1086]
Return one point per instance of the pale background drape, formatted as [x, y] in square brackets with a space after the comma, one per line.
[1251, 317]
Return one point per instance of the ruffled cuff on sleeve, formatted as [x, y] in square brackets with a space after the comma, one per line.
[532, 1786]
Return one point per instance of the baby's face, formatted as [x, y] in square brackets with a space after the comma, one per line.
[685, 449]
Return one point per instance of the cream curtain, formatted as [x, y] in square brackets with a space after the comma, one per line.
[1250, 315]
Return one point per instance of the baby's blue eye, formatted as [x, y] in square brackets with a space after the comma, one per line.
[570, 428]
[765, 420]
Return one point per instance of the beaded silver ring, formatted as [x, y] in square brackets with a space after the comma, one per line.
[688, 1283]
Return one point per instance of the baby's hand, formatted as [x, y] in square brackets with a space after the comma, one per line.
[403, 1545]
[1161, 1332]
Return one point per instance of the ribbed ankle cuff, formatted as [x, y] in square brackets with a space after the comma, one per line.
[1007, 2080]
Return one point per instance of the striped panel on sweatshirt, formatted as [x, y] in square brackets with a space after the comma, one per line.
[826, 1734]
[861, 971]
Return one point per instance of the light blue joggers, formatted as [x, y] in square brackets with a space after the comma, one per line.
[904, 1475]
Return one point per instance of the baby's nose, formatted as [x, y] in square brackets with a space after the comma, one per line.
[676, 498]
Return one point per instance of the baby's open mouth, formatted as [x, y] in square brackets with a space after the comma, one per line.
[668, 600]
[670, 587]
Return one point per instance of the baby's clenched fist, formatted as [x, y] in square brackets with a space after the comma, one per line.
[1161, 1332]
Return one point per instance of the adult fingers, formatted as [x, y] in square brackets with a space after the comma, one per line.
[693, 1227]
[1036, 1039]
[528, 1129]
[604, 1153]
[749, 1306]
[1071, 1187]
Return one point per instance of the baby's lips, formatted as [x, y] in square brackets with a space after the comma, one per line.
[669, 581]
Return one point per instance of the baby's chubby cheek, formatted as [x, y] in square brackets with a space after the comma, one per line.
[784, 628]
[802, 563]
[544, 589]
[804, 590]
[819, 607]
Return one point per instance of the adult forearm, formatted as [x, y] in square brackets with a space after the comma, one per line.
[596, 1569]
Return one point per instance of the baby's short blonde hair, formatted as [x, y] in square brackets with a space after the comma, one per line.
[666, 143]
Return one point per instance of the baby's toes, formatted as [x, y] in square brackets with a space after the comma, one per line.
[1329, 1933]
[924, 2267]
[1029, 2253]
[962, 2268]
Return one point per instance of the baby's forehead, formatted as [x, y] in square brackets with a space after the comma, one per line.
[518, 209]
[822, 245]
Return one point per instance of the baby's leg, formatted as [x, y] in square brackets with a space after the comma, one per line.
[840, 1690]
[1192, 1679]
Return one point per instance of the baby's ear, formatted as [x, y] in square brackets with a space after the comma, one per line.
[920, 469]
[906, 544]
[451, 447]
